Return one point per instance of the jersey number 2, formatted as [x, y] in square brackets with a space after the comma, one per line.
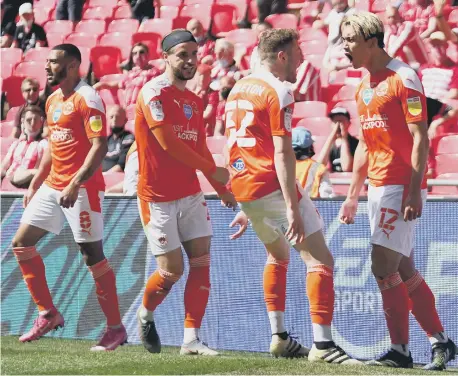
[237, 132]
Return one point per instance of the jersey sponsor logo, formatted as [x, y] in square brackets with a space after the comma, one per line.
[95, 122]
[288, 119]
[61, 134]
[414, 106]
[156, 110]
[56, 114]
[367, 96]
[381, 89]
[375, 121]
[238, 165]
[68, 108]
[187, 109]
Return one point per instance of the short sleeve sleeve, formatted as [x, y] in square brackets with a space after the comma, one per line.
[281, 113]
[153, 110]
[92, 111]
[413, 100]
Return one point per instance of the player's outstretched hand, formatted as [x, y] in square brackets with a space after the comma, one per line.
[412, 207]
[296, 228]
[242, 221]
[221, 175]
[69, 196]
[228, 200]
[348, 211]
[28, 197]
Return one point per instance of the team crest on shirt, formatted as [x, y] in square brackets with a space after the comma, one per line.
[414, 106]
[68, 108]
[187, 109]
[56, 114]
[238, 165]
[368, 94]
[381, 89]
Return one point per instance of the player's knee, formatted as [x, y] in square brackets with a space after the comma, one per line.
[20, 241]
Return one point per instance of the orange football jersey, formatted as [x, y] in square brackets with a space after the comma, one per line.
[387, 101]
[161, 177]
[72, 122]
[259, 106]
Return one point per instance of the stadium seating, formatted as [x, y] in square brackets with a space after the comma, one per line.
[180, 22]
[102, 3]
[240, 6]
[91, 26]
[446, 190]
[82, 39]
[340, 189]
[55, 38]
[117, 40]
[7, 69]
[152, 40]
[310, 109]
[161, 26]
[308, 34]
[318, 126]
[169, 12]
[32, 69]
[448, 145]
[5, 145]
[11, 114]
[198, 11]
[247, 37]
[11, 55]
[8, 187]
[129, 26]
[313, 47]
[130, 126]
[130, 112]
[6, 127]
[109, 96]
[283, 21]
[223, 19]
[122, 12]
[98, 13]
[216, 144]
[42, 15]
[345, 93]
[113, 178]
[105, 60]
[59, 26]
[446, 163]
[38, 55]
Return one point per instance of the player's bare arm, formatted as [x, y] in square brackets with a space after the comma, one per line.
[40, 176]
[92, 162]
[412, 206]
[360, 165]
[285, 165]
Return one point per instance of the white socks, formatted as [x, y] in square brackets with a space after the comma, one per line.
[190, 335]
[403, 349]
[277, 321]
[145, 315]
[438, 337]
[321, 333]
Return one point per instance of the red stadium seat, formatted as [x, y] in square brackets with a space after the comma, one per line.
[11, 86]
[318, 126]
[55, 38]
[453, 17]
[315, 60]
[11, 55]
[253, 11]
[351, 108]
[59, 26]
[11, 114]
[113, 178]
[216, 144]
[112, 77]
[379, 6]
[174, 3]
[105, 60]
[205, 185]
[446, 163]
[122, 12]
[180, 22]
[130, 112]
[42, 15]
[32, 69]
[340, 189]
[246, 37]
[296, 4]
[129, 26]
[85, 63]
[82, 39]
[102, 3]
[345, 93]
[116, 40]
[308, 34]
[5, 145]
[8, 187]
[362, 5]
[313, 47]
[169, 12]
[6, 127]
[283, 21]
[46, 4]
[448, 145]
[91, 27]
[121, 96]
[310, 109]
[130, 126]
[37, 54]
[7, 69]
[240, 6]
[200, 12]
[223, 18]
[446, 190]
[152, 40]
[161, 26]
[109, 96]
[98, 13]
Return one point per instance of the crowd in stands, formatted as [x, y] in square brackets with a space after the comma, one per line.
[120, 44]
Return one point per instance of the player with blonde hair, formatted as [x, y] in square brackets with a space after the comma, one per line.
[392, 152]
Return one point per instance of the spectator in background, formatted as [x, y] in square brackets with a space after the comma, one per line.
[206, 46]
[10, 10]
[138, 71]
[30, 92]
[8, 29]
[226, 84]
[440, 77]
[28, 34]
[129, 185]
[144, 9]
[209, 96]
[442, 24]
[119, 141]
[313, 175]
[225, 64]
[268, 7]
[70, 10]
[335, 59]
[340, 146]
[340, 8]
[402, 39]
[421, 13]
[24, 155]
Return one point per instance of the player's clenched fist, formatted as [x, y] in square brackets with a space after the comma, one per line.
[221, 175]
[348, 211]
